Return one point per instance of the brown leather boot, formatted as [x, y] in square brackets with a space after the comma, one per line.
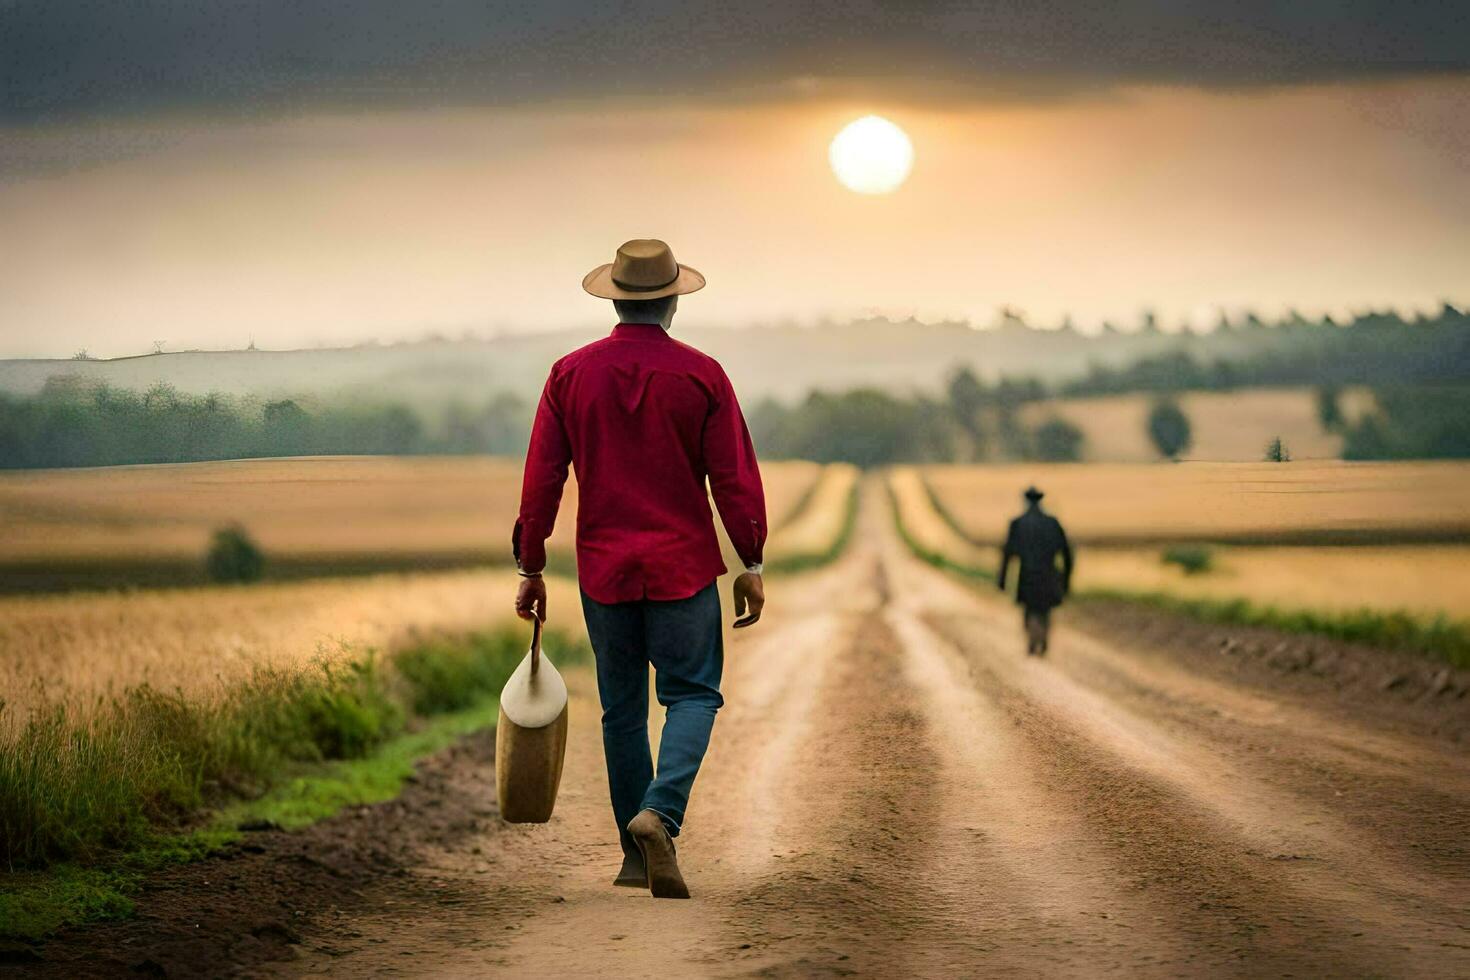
[657, 847]
[633, 873]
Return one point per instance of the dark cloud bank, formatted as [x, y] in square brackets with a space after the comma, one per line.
[65, 57]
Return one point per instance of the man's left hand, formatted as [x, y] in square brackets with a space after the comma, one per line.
[750, 593]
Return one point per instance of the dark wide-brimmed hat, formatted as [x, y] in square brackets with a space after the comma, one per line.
[1033, 494]
[643, 269]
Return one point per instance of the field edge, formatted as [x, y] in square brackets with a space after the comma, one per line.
[1439, 637]
[39, 902]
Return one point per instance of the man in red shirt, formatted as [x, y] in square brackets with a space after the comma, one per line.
[646, 420]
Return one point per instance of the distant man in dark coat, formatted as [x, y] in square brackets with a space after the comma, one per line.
[1036, 538]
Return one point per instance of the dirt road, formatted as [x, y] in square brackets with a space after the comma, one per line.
[895, 790]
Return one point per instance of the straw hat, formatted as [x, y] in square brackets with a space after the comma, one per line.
[644, 269]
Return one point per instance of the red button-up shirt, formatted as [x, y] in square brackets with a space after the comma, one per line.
[644, 419]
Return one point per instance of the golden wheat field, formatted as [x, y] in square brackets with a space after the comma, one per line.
[1262, 503]
[315, 506]
[1424, 579]
[336, 505]
[1228, 426]
[819, 523]
[197, 639]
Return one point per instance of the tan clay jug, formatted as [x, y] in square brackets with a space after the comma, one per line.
[531, 738]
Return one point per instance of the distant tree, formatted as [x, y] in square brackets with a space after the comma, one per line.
[1413, 422]
[1223, 375]
[863, 426]
[1057, 441]
[1169, 428]
[285, 428]
[158, 346]
[498, 427]
[1020, 390]
[1008, 398]
[1329, 408]
[399, 430]
[234, 557]
[1194, 559]
[1369, 438]
[1148, 322]
[936, 435]
[1013, 436]
[1276, 451]
[768, 427]
[967, 399]
[81, 355]
[966, 392]
[161, 394]
[284, 413]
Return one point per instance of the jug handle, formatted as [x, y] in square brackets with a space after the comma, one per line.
[535, 646]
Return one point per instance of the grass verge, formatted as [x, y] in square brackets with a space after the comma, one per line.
[929, 556]
[789, 564]
[1439, 637]
[95, 797]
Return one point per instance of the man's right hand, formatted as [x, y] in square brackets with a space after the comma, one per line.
[531, 598]
[750, 593]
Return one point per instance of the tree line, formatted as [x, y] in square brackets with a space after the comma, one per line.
[971, 421]
[1374, 349]
[73, 422]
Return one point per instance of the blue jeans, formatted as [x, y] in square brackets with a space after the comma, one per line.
[683, 641]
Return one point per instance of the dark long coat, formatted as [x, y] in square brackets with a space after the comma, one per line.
[1036, 538]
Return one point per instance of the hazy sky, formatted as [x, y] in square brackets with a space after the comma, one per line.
[306, 177]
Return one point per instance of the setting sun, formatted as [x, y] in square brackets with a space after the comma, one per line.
[871, 156]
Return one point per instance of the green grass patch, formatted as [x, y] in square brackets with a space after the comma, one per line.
[93, 797]
[34, 904]
[1439, 636]
[313, 793]
[446, 675]
[790, 564]
[1193, 559]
